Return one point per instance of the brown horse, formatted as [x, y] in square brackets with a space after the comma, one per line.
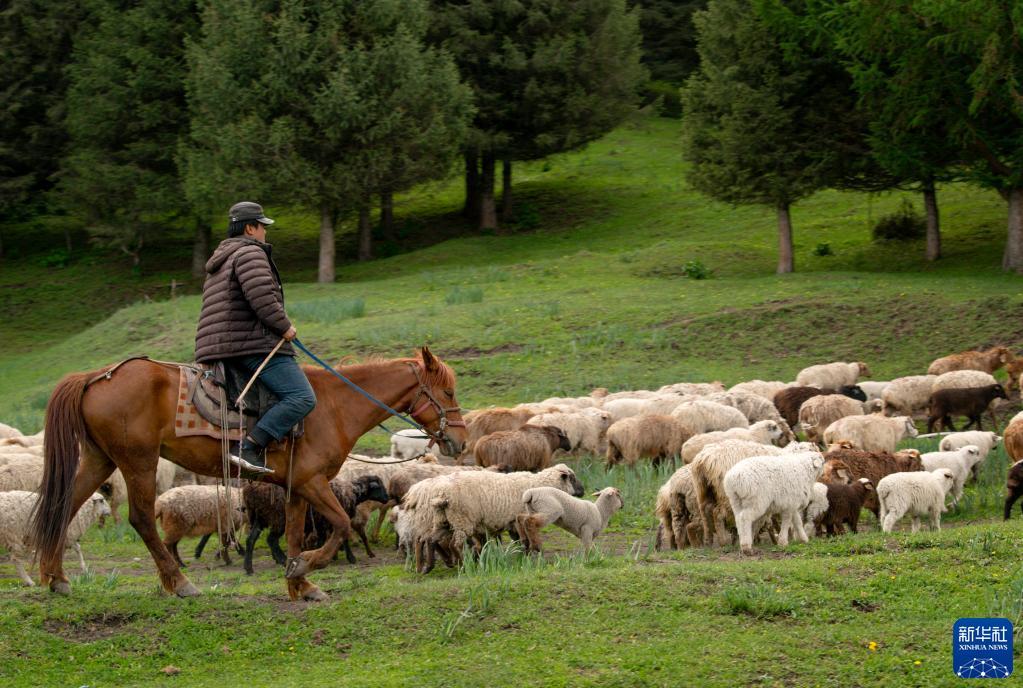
[125, 420]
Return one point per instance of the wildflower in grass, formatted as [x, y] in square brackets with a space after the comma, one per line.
[917, 663]
[872, 646]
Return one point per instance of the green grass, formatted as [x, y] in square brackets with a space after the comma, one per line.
[589, 288]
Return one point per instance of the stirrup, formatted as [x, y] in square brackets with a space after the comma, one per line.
[244, 465]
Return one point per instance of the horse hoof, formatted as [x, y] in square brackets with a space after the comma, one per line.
[314, 594]
[60, 587]
[186, 589]
[297, 567]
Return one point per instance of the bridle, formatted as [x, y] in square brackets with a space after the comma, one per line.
[415, 408]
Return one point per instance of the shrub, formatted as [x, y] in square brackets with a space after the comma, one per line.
[57, 258]
[823, 249]
[694, 269]
[526, 217]
[903, 225]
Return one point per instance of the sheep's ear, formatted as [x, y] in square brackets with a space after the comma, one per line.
[843, 474]
[595, 494]
[868, 485]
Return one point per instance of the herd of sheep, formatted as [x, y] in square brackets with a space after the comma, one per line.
[744, 472]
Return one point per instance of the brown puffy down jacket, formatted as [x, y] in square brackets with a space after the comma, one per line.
[242, 303]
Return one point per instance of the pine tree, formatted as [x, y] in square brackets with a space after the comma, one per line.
[547, 77]
[759, 117]
[315, 103]
[125, 116]
[669, 38]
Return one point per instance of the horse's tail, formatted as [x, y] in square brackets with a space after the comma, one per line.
[65, 429]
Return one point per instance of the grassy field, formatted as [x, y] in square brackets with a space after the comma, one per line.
[587, 289]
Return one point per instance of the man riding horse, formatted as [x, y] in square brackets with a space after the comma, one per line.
[242, 320]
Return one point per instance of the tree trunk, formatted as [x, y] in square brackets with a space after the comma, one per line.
[785, 261]
[1, 245]
[327, 251]
[933, 221]
[471, 209]
[365, 234]
[387, 216]
[1013, 257]
[201, 248]
[67, 240]
[488, 207]
[506, 192]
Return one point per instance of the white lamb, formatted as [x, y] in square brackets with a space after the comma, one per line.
[766, 389]
[483, 503]
[762, 432]
[585, 429]
[874, 433]
[16, 509]
[22, 473]
[707, 416]
[908, 396]
[918, 493]
[586, 520]
[763, 486]
[960, 462]
[816, 508]
[982, 439]
[832, 375]
[412, 442]
[873, 389]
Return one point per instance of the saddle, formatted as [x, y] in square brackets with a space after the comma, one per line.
[207, 384]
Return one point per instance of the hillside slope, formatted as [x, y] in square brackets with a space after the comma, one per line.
[595, 295]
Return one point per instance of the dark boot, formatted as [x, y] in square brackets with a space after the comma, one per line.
[251, 458]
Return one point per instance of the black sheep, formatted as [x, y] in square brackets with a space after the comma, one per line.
[970, 402]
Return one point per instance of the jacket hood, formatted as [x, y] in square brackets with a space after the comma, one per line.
[227, 248]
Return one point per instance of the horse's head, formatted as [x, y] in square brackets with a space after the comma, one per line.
[434, 403]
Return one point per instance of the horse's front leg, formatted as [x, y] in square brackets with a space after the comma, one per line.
[297, 567]
[95, 467]
[319, 495]
[141, 503]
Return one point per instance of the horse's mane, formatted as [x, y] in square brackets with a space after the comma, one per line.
[444, 376]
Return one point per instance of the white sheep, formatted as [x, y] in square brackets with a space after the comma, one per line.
[816, 508]
[619, 409]
[708, 471]
[697, 388]
[875, 433]
[678, 511]
[586, 520]
[16, 509]
[762, 432]
[873, 389]
[918, 493]
[585, 429]
[963, 379]
[577, 403]
[818, 412]
[766, 389]
[708, 416]
[20, 454]
[982, 439]
[412, 442]
[116, 490]
[960, 461]
[191, 510]
[22, 473]
[908, 396]
[7, 431]
[763, 486]
[753, 406]
[483, 503]
[832, 375]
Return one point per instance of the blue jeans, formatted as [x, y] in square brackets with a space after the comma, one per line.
[283, 376]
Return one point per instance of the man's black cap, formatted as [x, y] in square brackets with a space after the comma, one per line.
[247, 210]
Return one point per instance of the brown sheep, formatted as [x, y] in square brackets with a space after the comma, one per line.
[789, 400]
[529, 448]
[970, 402]
[844, 505]
[1013, 487]
[819, 412]
[657, 437]
[988, 361]
[874, 466]
[483, 422]
[1012, 439]
[836, 471]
